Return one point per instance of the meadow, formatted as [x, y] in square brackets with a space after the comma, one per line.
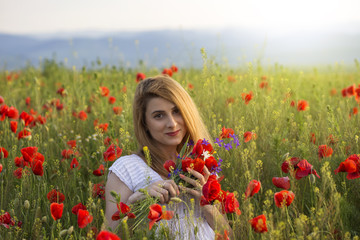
[279, 114]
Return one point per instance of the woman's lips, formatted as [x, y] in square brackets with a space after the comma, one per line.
[173, 133]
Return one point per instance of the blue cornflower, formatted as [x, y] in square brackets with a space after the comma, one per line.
[218, 142]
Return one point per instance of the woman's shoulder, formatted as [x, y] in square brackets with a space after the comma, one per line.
[132, 159]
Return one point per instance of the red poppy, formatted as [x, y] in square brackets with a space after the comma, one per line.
[67, 153]
[82, 115]
[112, 100]
[99, 191]
[37, 167]
[247, 97]
[100, 171]
[3, 153]
[74, 163]
[249, 135]
[167, 71]
[252, 188]
[226, 132]
[219, 236]
[56, 210]
[62, 92]
[201, 146]
[211, 189]
[174, 68]
[1, 100]
[29, 153]
[333, 92]
[263, 84]
[331, 139]
[24, 134]
[231, 79]
[190, 86]
[324, 151]
[84, 218]
[211, 163]
[19, 162]
[55, 196]
[140, 77]
[6, 220]
[117, 110]
[103, 127]
[281, 182]
[12, 113]
[303, 169]
[27, 101]
[112, 153]
[1, 167]
[292, 104]
[75, 209]
[169, 165]
[18, 173]
[344, 92]
[107, 141]
[302, 105]
[350, 91]
[123, 210]
[124, 89]
[156, 214]
[104, 91]
[105, 235]
[259, 224]
[283, 198]
[351, 165]
[232, 204]
[71, 143]
[312, 138]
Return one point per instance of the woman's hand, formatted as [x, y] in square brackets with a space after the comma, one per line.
[198, 183]
[164, 190]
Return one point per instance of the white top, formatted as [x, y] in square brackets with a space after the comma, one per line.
[136, 174]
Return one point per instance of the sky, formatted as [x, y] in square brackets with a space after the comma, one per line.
[275, 16]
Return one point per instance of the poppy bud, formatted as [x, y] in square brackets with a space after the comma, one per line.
[38, 213]
[44, 219]
[26, 204]
[70, 230]
[176, 199]
[63, 233]
[312, 178]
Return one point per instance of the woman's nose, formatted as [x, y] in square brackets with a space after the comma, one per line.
[171, 122]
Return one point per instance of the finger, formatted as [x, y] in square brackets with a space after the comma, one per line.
[191, 191]
[206, 174]
[197, 175]
[157, 194]
[191, 181]
[169, 187]
[164, 193]
[174, 186]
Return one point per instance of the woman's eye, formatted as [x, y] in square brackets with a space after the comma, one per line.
[157, 116]
[176, 111]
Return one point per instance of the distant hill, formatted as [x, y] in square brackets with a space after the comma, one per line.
[182, 47]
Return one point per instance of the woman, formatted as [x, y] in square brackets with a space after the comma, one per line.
[164, 118]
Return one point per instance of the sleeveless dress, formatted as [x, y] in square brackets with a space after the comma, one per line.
[136, 174]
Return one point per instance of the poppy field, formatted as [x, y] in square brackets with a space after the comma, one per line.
[286, 141]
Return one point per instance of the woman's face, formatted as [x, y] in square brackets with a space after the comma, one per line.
[165, 123]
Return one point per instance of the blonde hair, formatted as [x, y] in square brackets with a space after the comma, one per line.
[167, 88]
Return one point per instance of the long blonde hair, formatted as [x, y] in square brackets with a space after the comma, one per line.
[167, 88]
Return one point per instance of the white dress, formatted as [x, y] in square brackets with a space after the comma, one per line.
[136, 174]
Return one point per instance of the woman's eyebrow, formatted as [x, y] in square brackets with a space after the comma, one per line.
[157, 111]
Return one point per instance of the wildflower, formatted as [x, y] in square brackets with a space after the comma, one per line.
[1, 167]
[104, 91]
[167, 71]
[84, 218]
[292, 104]
[247, 97]
[249, 135]
[190, 86]
[103, 127]
[259, 224]
[312, 138]
[24, 134]
[67, 153]
[117, 110]
[174, 68]
[105, 235]
[27, 101]
[201, 146]
[231, 78]
[156, 214]
[224, 236]
[100, 171]
[140, 77]
[112, 153]
[61, 91]
[232, 204]
[1, 100]
[55, 196]
[301, 168]
[123, 210]
[26, 118]
[74, 163]
[37, 167]
[99, 191]
[333, 92]
[82, 115]
[20, 162]
[211, 189]
[263, 84]
[351, 165]
[252, 188]
[211, 163]
[226, 133]
[3, 153]
[12, 113]
[283, 198]
[6, 220]
[18, 173]
[281, 182]
[75, 209]
[302, 105]
[169, 165]
[331, 139]
[112, 100]
[13, 126]
[324, 151]
[56, 210]
[230, 100]
[71, 143]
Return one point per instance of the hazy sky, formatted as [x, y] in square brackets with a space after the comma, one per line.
[49, 16]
